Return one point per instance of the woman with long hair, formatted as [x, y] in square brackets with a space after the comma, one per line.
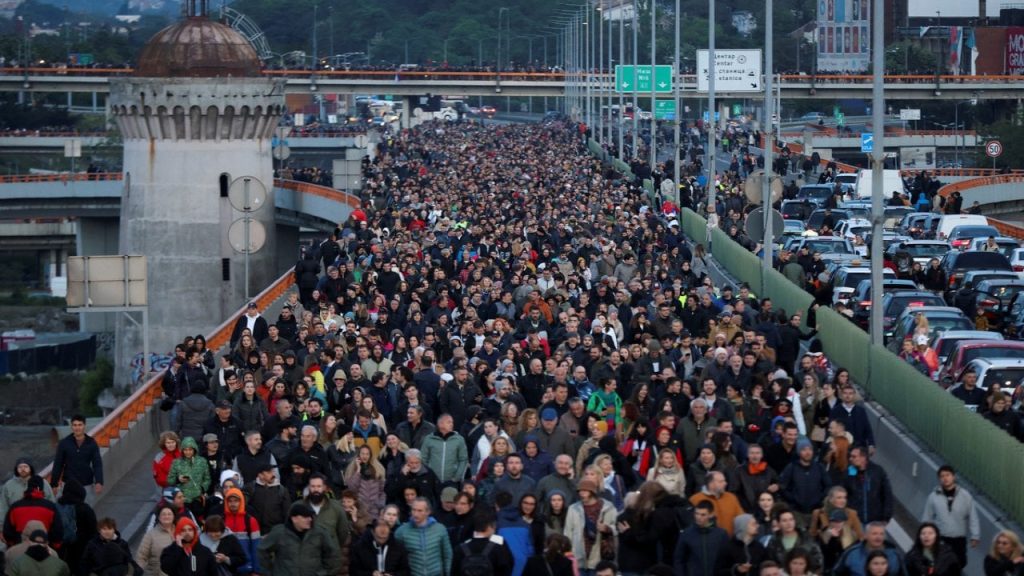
[1005, 556]
[246, 345]
[612, 482]
[509, 418]
[328, 430]
[555, 560]
[365, 477]
[339, 456]
[635, 444]
[789, 536]
[556, 509]
[835, 526]
[528, 422]
[668, 473]
[500, 448]
[368, 404]
[249, 407]
[930, 556]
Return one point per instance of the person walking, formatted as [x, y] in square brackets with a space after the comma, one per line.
[430, 551]
[951, 508]
[298, 547]
[78, 456]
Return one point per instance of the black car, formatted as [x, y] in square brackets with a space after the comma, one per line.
[955, 264]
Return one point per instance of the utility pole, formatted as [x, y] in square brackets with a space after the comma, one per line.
[767, 245]
[676, 69]
[877, 166]
[636, 64]
[622, 109]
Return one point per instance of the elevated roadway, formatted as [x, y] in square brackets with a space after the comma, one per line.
[551, 84]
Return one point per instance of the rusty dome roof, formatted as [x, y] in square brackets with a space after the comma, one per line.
[198, 47]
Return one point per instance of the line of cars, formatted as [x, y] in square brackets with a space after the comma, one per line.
[981, 275]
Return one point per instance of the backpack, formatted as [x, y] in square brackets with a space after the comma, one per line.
[68, 522]
[477, 564]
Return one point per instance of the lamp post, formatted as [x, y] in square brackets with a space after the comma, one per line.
[622, 110]
[709, 154]
[654, 86]
[877, 165]
[767, 248]
[676, 69]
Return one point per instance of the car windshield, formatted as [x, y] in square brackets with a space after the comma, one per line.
[898, 303]
[944, 323]
[826, 246]
[973, 231]
[1004, 292]
[1003, 377]
[992, 352]
[924, 250]
[854, 278]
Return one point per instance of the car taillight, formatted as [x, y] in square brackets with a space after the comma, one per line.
[865, 304]
[987, 302]
[960, 243]
[1018, 268]
[913, 304]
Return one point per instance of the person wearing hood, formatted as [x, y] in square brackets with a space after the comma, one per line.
[14, 489]
[73, 499]
[243, 526]
[39, 559]
[186, 556]
[512, 528]
[33, 506]
[196, 409]
[15, 550]
[379, 552]
[226, 548]
[804, 482]
[536, 462]
[426, 539]
[299, 547]
[743, 552]
[190, 472]
[268, 500]
[107, 553]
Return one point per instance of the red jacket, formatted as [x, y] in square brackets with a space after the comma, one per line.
[162, 465]
[27, 509]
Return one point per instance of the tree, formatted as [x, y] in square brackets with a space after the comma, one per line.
[1008, 134]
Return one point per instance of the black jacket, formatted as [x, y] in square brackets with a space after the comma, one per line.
[500, 555]
[83, 463]
[363, 557]
[174, 561]
[945, 563]
[259, 331]
[736, 553]
[109, 558]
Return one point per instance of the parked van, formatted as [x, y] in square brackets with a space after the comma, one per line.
[891, 182]
[949, 221]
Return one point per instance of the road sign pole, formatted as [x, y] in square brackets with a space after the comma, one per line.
[709, 154]
[676, 69]
[622, 104]
[767, 249]
[654, 88]
[636, 64]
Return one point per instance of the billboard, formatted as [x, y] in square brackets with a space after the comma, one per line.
[844, 35]
[1015, 50]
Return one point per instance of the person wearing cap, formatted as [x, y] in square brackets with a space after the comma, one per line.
[38, 558]
[217, 462]
[251, 321]
[227, 428]
[589, 521]
[804, 482]
[266, 499]
[299, 546]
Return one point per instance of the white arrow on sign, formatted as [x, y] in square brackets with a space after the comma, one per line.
[662, 85]
[625, 84]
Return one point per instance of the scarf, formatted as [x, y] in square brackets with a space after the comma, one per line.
[755, 469]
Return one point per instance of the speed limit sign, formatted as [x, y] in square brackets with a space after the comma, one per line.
[993, 148]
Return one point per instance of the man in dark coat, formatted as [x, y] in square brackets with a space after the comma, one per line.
[377, 542]
[187, 557]
[698, 546]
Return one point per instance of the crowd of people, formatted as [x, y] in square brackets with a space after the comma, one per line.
[514, 363]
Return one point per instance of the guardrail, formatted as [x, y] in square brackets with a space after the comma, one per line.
[490, 75]
[62, 177]
[318, 190]
[128, 412]
[981, 452]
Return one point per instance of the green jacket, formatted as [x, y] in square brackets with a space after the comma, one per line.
[25, 565]
[447, 457]
[284, 553]
[333, 520]
[197, 470]
[430, 551]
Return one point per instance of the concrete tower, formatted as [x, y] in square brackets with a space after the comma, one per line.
[196, 116]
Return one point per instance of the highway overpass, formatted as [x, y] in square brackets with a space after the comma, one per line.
[541, 84]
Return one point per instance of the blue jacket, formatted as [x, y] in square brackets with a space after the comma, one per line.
[854, 559]
[516, 533]
[804, 487]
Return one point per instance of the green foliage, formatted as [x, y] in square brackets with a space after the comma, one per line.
[907, 57]
[94, 382]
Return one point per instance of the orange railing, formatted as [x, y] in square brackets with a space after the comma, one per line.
[321, 191]
[62, 177]
[136, 405]
[1007, 229]
[980, 182]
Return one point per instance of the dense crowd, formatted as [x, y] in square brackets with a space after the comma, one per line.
[513, 362]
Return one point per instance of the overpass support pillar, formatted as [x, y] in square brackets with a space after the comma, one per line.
[408, 103]
[287, 240]
[98, 237]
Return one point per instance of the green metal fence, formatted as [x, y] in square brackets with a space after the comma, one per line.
[991, 459]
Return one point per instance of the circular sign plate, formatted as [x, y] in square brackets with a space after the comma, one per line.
[993, 148]
[257, 194]
[257, 236]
